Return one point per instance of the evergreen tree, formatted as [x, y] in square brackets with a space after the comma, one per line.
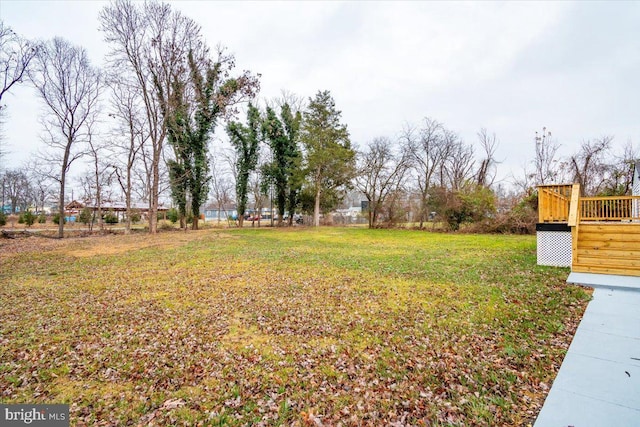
[191, 111]
[329, 163]
[245, 140]
[281, 134]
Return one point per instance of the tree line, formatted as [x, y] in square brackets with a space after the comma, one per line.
[145, 124]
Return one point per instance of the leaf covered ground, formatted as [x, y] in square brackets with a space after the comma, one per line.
[284, 327]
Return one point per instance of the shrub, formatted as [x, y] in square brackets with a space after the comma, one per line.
[518, 218]
[42, 218]
[56, 219]
[21, 219]
[135, 216]
[470, 204]
[86, 216]
[172, 215]
[110, 218]
[164, 225]
[3, 219]
[28, 218]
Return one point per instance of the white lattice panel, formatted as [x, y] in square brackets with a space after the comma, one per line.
[554, 248]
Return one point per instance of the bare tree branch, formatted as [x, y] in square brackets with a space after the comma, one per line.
[70, 88]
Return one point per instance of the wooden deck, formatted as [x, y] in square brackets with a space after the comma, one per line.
[605, 231]
[607, 248]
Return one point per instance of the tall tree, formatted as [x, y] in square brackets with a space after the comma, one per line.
[380, 174]
[70, 88]
[183, 92]
[281, 134]
[100, 177]
[128, 138]
[246, 142]
[329, 160]
[18, 190]
[16, 54]
[486, 173]
[149, 42]
[191, 112]
[459, 162]
[428, 151]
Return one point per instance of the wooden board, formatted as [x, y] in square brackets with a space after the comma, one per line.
[607, 249]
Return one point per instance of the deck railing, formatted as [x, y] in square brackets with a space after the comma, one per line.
[605, 231]
[553, 203]
[618, 208]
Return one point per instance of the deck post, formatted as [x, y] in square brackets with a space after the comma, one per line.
[573, 221]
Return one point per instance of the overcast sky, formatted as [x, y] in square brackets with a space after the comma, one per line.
[510, 67]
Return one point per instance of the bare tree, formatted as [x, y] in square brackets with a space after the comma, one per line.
[427, 150]
[99, 171]
[260, 195]
[588, 167]
[144, 40]
[486, 174]
[222, 187]
[620, 176]
[17, 189]
[129, 138]
[458, 163]
[380, 174]
[295, 102]
[41, 184]
[545, 163]
[69, 87]
[16, 54]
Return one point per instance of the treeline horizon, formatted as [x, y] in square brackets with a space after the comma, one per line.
[148, 125]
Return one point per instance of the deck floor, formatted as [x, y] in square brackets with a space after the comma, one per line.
[598, 384]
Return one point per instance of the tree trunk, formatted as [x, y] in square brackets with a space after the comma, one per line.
[423, 211]
[61, 208]
[63, 176]
[316, 208]
[155, 189]
[127, 226]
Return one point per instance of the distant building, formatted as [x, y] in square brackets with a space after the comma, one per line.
[74, 208]
[224, 213]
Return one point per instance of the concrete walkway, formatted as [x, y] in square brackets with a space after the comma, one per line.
[599, 381]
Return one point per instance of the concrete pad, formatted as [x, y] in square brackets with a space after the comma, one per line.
[599, 381]
[610, 281]
[606, 346]
[591, 413]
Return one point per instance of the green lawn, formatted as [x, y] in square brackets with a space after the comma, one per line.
[284, 327]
